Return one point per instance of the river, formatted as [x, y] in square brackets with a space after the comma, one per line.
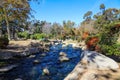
[27, 70]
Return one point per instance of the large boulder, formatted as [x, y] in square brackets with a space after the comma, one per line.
[98, 61]
[89, 75]
[90, 63]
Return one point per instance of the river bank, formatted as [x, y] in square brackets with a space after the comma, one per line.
[65, 56]
[54, 64]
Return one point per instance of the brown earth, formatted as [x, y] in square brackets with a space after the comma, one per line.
[17, 46]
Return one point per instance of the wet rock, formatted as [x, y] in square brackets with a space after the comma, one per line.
[46, 71]
[34, 44]
[18, 79]
[62, 54]
[33, 50]
[36, 61]
[29, 51]
[31, 56]
[43, 54]
[44, 78]
[6, 55]
[63, 58]
[7, 68]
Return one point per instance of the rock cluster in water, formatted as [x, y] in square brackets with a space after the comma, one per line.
[63, 57]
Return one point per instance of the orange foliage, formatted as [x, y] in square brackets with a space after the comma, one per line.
[85, 35]
[118, 25]
[92, 42]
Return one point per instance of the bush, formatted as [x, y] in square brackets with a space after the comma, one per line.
[111, 50]
[92, 42]
[24, 35]
[79, 39]
[38, 36]
[50, 36]
[3, 42]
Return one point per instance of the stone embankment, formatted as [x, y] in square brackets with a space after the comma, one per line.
[21, 49]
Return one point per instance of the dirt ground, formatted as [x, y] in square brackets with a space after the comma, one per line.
[17, 46]
[20, 43]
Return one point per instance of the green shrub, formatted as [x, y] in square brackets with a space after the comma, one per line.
[3, 42]
[50, 36]
[38, 36]
[24, 35]
[111, 50]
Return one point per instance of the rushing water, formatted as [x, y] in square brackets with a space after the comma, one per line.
[27, 70]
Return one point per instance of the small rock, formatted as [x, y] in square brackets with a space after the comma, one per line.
[62, 54]
[63, 58]
[7, 68]
[33, 50]
[18, 79]
[36, 61]
[84, 47]
[46, 71]
[43, 54]
[31, 56]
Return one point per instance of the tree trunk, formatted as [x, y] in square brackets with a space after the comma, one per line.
[7, 23]
[0, 32]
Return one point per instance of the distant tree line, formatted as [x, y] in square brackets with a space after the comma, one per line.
[15, 22]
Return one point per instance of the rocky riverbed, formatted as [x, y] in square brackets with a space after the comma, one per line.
[55, 64]
[60, 61]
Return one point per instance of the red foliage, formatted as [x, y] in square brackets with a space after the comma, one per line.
[85, 35]
[97, 48]
[118, 26]
[92, 43]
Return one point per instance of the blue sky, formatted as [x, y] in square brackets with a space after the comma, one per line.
[59, 10]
